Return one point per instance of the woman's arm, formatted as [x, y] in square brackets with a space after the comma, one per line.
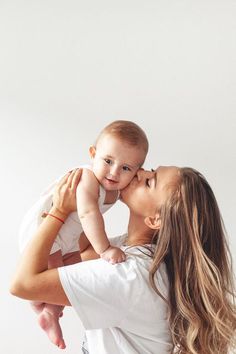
[33, 280]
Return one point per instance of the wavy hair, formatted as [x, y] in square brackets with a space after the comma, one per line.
[192, 243]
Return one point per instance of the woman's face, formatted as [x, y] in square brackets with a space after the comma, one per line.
[149, 190]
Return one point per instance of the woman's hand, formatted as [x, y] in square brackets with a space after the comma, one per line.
[64, 198]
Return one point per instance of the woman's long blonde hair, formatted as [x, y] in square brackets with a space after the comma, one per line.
[192, 243]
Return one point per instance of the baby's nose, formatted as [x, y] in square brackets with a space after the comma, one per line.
[114, 170]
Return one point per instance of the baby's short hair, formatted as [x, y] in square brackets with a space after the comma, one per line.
[128, 132]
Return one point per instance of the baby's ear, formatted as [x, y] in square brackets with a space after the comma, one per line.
[92, 151]
[154, 222]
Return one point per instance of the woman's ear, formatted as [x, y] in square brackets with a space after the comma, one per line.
[92, 151]
[154, 222]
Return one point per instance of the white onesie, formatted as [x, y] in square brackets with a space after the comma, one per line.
[68, 236]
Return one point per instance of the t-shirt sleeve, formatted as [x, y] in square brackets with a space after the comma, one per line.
[99, 291]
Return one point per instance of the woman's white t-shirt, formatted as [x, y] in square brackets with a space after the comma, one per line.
[120, 311]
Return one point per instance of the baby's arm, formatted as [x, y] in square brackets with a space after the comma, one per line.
[92, 220]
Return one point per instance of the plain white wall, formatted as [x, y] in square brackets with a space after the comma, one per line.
[67, 68]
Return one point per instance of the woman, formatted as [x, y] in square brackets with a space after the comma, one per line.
[175, 291]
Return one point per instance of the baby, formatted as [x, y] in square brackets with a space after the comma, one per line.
[118, 153]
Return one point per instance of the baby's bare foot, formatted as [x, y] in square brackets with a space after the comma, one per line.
[50, 324]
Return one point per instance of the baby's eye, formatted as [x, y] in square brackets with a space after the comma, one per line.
[108, 161]
[126, 168]
[147, 182]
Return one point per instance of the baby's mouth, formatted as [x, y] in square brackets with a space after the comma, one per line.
[111, 180]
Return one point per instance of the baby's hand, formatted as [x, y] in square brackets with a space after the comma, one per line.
[113, 255]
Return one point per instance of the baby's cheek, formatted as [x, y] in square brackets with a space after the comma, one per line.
[127, 181]
[131, 177]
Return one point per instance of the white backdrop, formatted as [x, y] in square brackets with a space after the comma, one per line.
[67, 68]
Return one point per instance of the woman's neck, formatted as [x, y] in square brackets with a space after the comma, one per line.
[138, 232]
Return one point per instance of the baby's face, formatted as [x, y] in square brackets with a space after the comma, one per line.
[115, 163]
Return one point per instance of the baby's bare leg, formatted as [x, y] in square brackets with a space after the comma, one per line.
[49, 316]
[37, 306]
[71, 258]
